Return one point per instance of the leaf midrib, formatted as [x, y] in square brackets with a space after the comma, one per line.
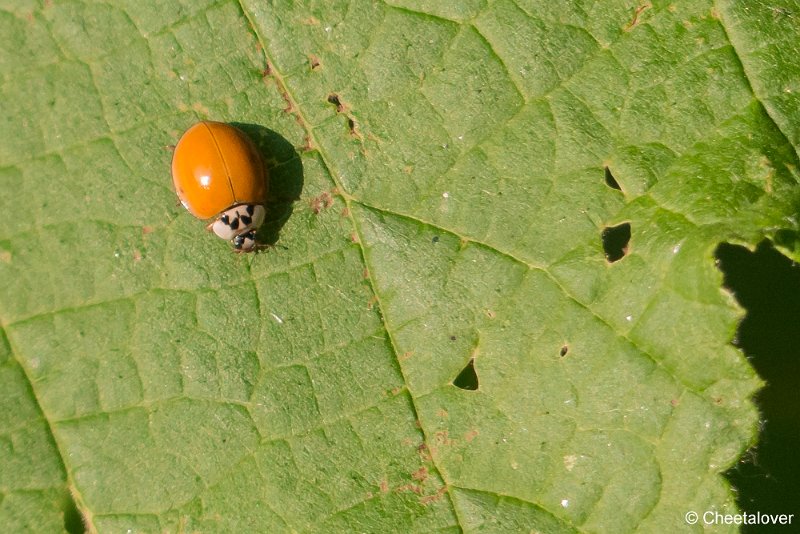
[293, 105]
[73, 490]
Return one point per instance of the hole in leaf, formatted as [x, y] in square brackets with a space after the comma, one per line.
[73, 522]
[611, 181]
[767, 285]
[615, 241]
[564, 350]
[333, 98]
[467, 378]
[351, 124]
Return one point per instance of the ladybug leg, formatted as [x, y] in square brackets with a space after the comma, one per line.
[263, 246]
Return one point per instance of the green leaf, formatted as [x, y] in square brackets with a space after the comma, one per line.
[439, 339]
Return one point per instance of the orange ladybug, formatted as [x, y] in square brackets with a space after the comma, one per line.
[218, 173]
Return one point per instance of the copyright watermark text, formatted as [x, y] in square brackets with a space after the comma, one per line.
[711, 517]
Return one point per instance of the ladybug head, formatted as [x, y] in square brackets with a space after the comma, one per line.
[245, 242]
[239, 221]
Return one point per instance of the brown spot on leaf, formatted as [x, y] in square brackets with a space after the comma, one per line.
[635, 20]
[433, 498]
[420, 474]
[342, 107]
[424, 453]
[314, 62]
[324, 200]
[200, 108]
[469, 435]
[372, 302]
[442, 437]
[308, 145]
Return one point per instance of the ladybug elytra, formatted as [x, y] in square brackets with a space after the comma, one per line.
[218, 174]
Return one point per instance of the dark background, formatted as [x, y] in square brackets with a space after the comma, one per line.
[767, 285]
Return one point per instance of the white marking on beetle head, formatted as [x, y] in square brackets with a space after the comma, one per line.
[239, 220]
